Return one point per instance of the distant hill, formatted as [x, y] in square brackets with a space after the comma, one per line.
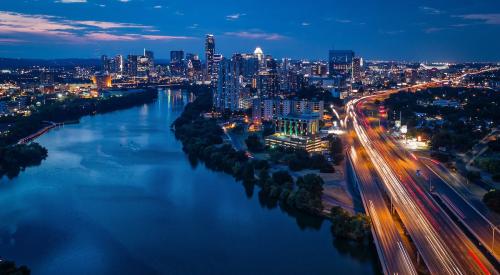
[13, 63]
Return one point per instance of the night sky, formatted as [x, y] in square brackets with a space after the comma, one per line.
[446, 30]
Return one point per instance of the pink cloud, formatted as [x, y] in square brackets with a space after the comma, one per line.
[110, 25]
[10, 41]
[102, 36]
[256, 35]
[73, 30]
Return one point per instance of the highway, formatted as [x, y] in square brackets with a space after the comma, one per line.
[443, 246]
[471, 213]
[392, 253]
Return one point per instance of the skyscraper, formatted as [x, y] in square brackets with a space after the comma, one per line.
[177, 62]
[259, 54]
[340, 62]
[149, 55]
[176, 56]
[106, 63]
[227, 94]
[132, 63]
[118, 65]
[217, 58]
[356, 69]
[209, 56]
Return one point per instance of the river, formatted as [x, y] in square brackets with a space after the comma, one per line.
[117, 195]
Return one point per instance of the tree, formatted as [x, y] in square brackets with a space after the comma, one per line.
[248, 172]
[282, 178]
[492, 200]
[254, 144]
[336, 149]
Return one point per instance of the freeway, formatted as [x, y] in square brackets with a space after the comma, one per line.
[444, 247]
[471, 214]
[392, 253]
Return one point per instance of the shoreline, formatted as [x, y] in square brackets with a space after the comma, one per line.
[18, 151]
[202, 141]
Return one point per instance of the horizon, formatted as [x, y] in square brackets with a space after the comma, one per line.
[452, 32]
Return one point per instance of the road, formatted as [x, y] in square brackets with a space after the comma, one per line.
[392, 253]
[443, 246]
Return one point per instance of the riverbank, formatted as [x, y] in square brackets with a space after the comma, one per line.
[15, 152]
[202, 140]
[10, 268]
[115, 176]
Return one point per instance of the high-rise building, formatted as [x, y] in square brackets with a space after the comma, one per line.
[177, 62]
[356, 69]
[132, 64]
[209, 56]
[105, 63]
[217, 58]
[340, 62]
[227, 94]
[176, 56]
[149, 59]
[118, 65]
[250, 66]
[259, 54]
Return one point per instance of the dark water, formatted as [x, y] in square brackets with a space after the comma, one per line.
[118, 196]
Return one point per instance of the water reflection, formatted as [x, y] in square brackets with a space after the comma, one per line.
[118, 196]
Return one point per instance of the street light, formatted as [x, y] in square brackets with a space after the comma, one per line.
[493, 229]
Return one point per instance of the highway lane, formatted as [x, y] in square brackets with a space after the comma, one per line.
[469, 215]
[393, 255]
[423, 218]
[462, 186]
[476, 219]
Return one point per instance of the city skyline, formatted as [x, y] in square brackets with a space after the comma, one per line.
[86, 29]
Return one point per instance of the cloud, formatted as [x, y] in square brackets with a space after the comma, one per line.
[74, 30]
[256, 35]
[434, 29]
[486, 18]
[109, 25]
[103, 36]
[236, 16]
[158, 7]
[305, 24]
[11, 22]
[430, 10]
[10, 41]
[343, 21]
[392, 32]
[70, 1]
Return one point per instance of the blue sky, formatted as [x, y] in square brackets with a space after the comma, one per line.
[446, 30]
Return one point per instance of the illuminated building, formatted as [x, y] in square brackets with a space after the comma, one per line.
[194, 66]
[298, 132]
[209, 56]
[118, 65]
[356, 69]
[340, 61]
[268, 109]
[259, 54]
[177, 62]
[217, 58]
[106, 64]
[227, 94]
[176, 56]
[102, 81]
[132, 65]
